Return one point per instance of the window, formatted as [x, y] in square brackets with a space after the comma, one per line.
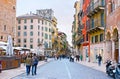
[18, 33]
[49, 30]
[111, 6]
[31, 46]
[46, 29]
[86, 37]
[42, 34]
[92, 39]
[49, 37]
[31, 26]
[38, 40]
[38, 27]
[42, 28]
[25, 40]
[4, 27]
[38, 33]
[25, 33]
[19, 28]
[118, 2]
[45, 22]
[25, 21]
[42, 22]
[38, 21]
[1, 37]
[102, 19]
[24, 45]
[96, 38]
[31, 40]
[31, 33]
[50, 44]
[92, 23]
[101, 37]
[25, 27]
[46, 36]
[19, 40]
[19, 21]
[31, 20]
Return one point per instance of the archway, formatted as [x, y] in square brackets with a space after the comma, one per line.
[115, 39]
[108, 36]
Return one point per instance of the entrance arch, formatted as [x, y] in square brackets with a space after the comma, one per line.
[115, 39]
[108, 36]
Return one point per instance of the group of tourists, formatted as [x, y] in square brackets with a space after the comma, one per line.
[31, 61]
[77, 57]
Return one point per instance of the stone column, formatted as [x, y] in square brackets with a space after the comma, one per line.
[113, 49]
[119, 48]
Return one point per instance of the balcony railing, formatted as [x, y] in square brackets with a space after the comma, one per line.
[95, 7]
[99, 3]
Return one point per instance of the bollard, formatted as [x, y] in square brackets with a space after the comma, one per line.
[0, 67]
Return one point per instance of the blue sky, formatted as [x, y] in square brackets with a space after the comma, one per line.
[63, 11]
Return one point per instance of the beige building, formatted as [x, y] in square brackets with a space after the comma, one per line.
[75, 25]
[7, 19]
[33, 29]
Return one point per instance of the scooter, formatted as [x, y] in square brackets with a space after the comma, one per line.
[117, 72]
[110, 69]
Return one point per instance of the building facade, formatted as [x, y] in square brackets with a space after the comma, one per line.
[7, 19]
[34, 29]
[75, 27]
[96, 29]
[113, 29]
[86, 40]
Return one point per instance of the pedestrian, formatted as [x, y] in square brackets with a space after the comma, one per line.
[99, 60]
[81, 57]
[34, 64]
[28, 63]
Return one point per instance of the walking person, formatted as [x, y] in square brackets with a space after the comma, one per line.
[28, 63]
[34, 64]
[99, 59]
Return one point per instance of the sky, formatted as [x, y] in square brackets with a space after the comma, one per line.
[63, 11]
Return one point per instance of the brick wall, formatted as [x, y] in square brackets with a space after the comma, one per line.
[7, 18]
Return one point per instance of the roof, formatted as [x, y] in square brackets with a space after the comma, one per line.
[32, 16]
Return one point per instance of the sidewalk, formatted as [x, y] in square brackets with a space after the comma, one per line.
[8, 74]
[94, 65]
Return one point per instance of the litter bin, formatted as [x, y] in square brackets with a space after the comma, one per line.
[0, 67]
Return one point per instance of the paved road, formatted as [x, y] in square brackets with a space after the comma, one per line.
[63, 69]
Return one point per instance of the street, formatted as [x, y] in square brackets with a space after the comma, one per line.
[63, 69]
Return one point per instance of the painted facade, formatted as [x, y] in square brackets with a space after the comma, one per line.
[96, 29]
[86, 41]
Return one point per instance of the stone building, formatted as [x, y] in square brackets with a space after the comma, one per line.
[113, 29]
[7, 19]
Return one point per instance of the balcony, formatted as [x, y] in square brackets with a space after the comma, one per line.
[96, 7]
[79, 40]
[97, 26]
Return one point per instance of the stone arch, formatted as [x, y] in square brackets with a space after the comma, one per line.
[108, 36]
[116, 44]
[115, 34]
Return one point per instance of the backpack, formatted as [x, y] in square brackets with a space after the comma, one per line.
[35, 61]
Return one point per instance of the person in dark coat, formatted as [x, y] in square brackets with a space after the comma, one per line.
[34, 64]
[99, 59]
